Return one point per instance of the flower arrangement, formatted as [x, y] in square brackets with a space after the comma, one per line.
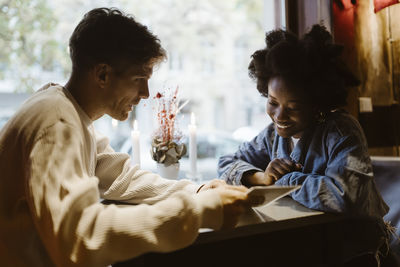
[167, 146]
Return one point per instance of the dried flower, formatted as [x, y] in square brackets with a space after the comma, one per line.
[167, 146]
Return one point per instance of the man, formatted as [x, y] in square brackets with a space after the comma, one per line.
[54, 168]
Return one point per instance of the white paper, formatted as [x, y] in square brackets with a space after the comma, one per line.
[271, 193]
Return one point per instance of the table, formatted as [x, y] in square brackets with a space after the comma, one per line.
[283, 233]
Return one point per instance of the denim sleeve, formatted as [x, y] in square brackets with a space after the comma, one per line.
[347, 172]
[251, 156]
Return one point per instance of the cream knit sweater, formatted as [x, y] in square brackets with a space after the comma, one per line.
[54, 170]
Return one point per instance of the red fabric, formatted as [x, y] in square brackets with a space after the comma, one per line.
[343, 25]
[381, 4]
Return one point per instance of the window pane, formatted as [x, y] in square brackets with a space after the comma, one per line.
[209, 45]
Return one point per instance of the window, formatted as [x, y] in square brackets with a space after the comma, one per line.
[209, 44]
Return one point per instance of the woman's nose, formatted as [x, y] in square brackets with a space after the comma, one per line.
[280, 114]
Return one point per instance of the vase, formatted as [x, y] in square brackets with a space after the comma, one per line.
[169, 172]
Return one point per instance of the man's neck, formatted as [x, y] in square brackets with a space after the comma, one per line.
[81, 91]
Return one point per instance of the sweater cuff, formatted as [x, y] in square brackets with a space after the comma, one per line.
[210, 209]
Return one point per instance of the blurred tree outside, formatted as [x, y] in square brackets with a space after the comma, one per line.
[28, 51]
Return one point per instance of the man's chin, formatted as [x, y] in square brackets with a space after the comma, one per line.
[120, 117]
[124, 118]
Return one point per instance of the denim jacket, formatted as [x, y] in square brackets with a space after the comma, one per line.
[337, 172]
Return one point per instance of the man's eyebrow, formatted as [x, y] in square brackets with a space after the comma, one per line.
[147, 72]
[143, 75]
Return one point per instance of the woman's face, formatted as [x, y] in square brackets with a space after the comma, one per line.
[288, 108]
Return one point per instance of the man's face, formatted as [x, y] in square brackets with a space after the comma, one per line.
[125, 90]
[288, 108]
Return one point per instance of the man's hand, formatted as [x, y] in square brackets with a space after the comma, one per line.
[212, 185]
[233, 198]
[234, 201]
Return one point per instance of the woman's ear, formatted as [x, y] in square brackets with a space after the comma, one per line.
[319, 115]
[101, 74]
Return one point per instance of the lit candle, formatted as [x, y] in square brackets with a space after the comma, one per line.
[114, 124]
[193, 146]
[135, 134]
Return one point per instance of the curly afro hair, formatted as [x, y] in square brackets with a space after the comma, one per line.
[311, 64]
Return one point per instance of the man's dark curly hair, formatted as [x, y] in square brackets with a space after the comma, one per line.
[311, 64]
[106, 35]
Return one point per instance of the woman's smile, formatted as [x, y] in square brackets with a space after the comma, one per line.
[287, 108]
[283, 125]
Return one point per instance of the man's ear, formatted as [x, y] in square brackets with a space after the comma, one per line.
[101, 74]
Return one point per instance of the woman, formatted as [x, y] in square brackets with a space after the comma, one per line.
[311, 141]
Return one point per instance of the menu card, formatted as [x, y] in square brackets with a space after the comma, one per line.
[271, 192]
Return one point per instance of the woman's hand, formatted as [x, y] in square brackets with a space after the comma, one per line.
[279, 167]
[274, 171]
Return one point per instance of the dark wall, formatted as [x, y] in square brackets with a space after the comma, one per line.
[382, 126]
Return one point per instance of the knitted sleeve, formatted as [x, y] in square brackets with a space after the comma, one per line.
[78, 230]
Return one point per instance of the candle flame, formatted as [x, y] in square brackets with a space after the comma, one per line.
[114, 123]
[192, 119]
[135, 125]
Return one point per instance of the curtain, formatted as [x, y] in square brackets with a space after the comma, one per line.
[381, 4]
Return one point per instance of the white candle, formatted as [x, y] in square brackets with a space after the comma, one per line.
[135, 134]
[114, 124]
[193, 145]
